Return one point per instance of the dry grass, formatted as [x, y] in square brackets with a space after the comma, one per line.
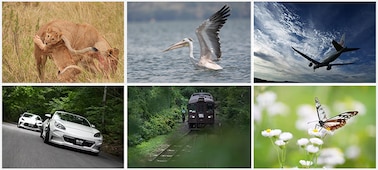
[21, 21]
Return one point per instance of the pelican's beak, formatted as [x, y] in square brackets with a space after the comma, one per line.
[177, 45]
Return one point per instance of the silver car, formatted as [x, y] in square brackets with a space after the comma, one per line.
[71, 130]
[30, 121]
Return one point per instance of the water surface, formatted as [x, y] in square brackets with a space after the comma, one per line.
[146, 63]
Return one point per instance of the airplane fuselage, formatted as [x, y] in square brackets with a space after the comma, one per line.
[329, 59]
[340, 48]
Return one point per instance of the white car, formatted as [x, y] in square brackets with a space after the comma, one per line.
[30, 121]
[71, 130]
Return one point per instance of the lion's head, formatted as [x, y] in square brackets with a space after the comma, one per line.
[52, 36]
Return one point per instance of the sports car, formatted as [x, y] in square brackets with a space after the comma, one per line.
[30, 121]
[71, 130]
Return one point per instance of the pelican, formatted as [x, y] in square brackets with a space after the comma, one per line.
[208, 37]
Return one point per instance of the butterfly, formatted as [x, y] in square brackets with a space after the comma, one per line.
[335, 122]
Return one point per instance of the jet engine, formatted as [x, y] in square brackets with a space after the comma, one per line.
[310, 65]
[329, 67]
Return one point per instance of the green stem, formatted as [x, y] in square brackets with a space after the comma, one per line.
[278, 153]
[283, 156]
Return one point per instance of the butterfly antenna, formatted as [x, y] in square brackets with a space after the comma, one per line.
[311, 121]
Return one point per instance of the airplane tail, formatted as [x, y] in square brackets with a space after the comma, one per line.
[341, 46]
[342, 40]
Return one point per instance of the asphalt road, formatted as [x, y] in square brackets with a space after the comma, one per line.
[24, 148]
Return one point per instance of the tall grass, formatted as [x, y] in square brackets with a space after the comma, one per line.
[21, 21]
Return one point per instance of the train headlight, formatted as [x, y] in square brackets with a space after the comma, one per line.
[209, 116]
[192, 116]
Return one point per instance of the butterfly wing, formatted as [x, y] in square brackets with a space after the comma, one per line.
[319, 109]
[338, 121]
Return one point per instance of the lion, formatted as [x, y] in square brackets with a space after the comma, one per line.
[51, 39]
[62, 58]
[74, 36]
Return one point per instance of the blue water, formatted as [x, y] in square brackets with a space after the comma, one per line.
[146, 63]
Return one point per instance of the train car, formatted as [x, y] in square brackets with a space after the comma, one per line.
[200, 110]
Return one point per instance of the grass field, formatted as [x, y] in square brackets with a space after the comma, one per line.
[21, 21]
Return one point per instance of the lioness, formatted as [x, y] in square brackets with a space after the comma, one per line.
[79, 36]
[54, 36]
[62, 54]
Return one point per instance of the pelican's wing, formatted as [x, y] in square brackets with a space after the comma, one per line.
[208, 33]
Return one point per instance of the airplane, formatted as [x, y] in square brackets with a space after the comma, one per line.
[332, 57]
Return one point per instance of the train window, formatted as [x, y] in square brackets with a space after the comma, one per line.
[191, 107]
[210, 106]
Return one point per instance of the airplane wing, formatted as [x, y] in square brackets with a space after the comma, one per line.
[305, 56]
[340, 64]
[350, 49]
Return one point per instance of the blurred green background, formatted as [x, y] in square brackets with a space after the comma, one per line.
[289, 108]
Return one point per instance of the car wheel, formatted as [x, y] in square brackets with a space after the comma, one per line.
[47, 135]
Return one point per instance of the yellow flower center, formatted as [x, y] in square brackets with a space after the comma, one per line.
[328, 128]
[268, 130]
[315, 130]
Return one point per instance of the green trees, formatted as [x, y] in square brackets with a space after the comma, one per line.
[102, 106]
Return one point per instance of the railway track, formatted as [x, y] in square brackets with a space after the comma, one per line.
[175, 150]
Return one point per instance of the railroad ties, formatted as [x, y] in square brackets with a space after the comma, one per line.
[174, 151]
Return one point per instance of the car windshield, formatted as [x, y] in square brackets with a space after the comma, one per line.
[27, 115]
[38, 118]
[74, 119]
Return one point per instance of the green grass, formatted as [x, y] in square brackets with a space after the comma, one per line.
[21, 21]
[139, 154]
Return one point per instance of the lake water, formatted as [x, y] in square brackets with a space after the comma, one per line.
[146, 63]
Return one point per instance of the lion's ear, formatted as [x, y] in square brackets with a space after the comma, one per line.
[60, 35]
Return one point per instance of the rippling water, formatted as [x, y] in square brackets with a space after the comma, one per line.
[146, 63]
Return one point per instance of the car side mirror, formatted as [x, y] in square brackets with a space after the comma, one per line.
[48, 115]
[93, 126]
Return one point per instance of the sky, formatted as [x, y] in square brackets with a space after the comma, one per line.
[310, 28]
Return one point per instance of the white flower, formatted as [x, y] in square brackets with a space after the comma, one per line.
[280, 142]
[316, 141]
[329, 157]
[315, 132]
[312, 149]
[306, 114]
[353, 152]
[302, 141]
[276, 132]
[327, 131]
[286, 136]
[277, 108]
[270, 132]
[305, 163]
[266, 99]
[257, 113]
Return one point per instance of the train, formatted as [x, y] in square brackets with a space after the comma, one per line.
[201, 110]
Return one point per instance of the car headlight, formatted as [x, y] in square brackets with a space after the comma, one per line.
[59, 125]
[97, 135]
